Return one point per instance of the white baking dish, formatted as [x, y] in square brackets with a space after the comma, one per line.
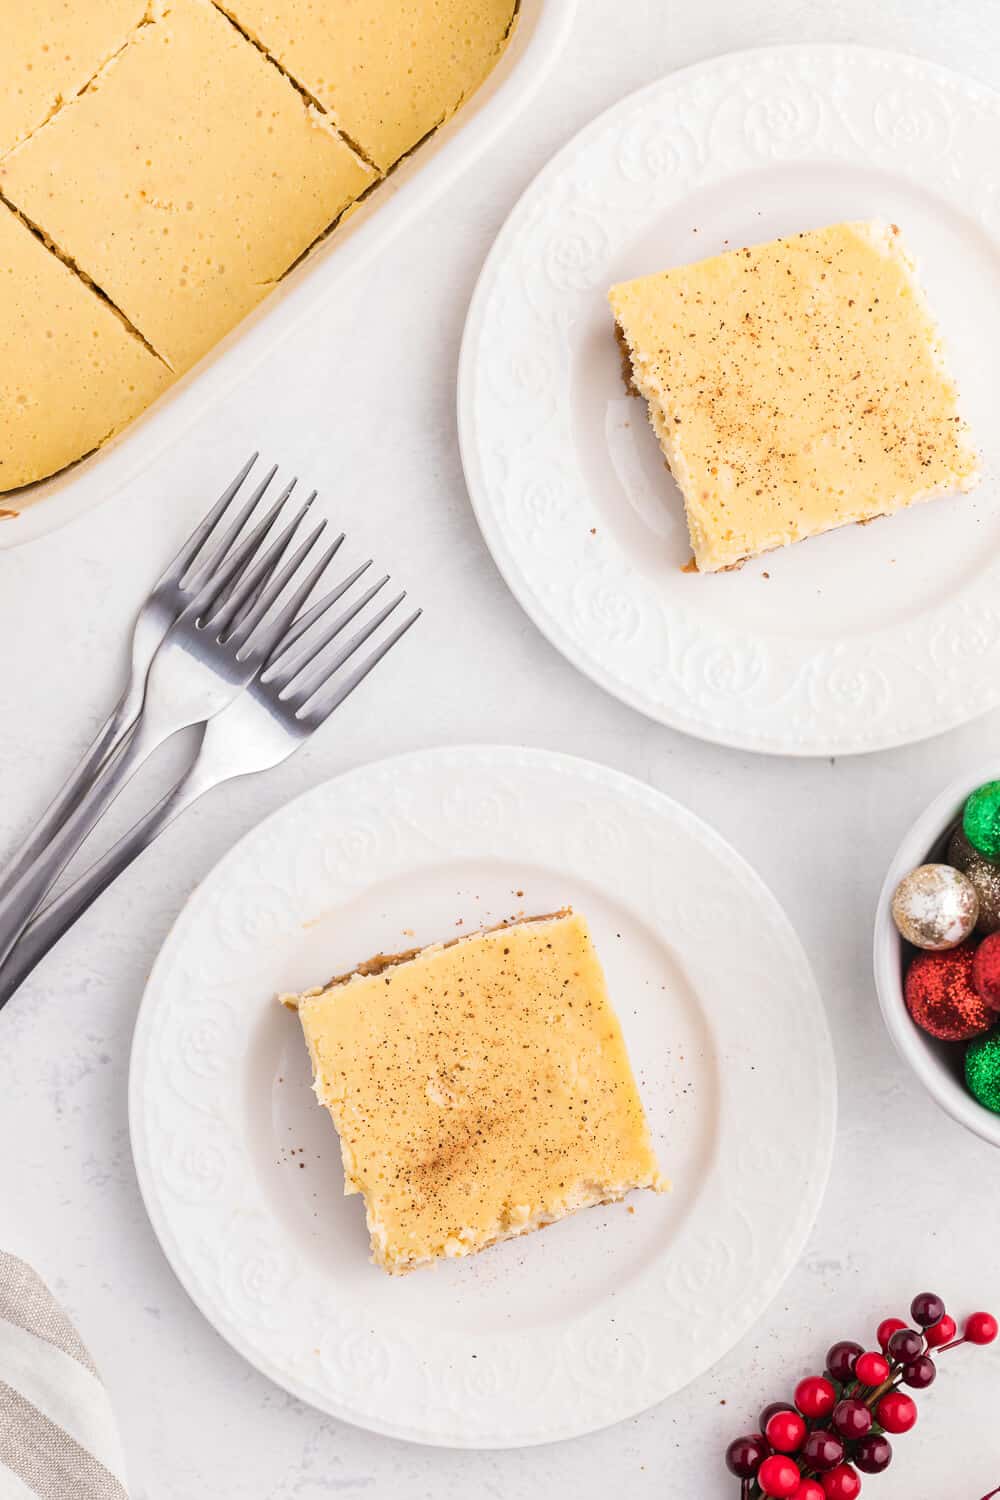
[540, 32]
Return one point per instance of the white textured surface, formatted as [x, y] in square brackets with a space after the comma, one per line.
[866, 638]
[910, 1202]
[609, 1311]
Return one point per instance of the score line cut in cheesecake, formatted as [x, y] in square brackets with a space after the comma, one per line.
[794, 387]
[480, 1088]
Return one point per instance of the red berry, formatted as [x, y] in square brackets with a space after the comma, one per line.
[873, 1454]
[919, 1373]
[815, 1397]
[926, 1309]
[822, 1450]
[786, 1432]
[841, 1359]
[779, 1477]
[896, 1412]
[887, 1328]
[809, 1489]
[905, 1344]
[851, 1419]
[872, 1368]
[942, 1332]
[772, 1410]
[745, 1455]
[980, 1328]
[841, 1484]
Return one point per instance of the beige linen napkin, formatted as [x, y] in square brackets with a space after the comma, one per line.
[58, 1438]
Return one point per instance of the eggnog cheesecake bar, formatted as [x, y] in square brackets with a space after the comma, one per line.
[794, 387]
[480, 1088]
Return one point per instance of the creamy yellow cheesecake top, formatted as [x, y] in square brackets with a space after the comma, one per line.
[50, 50]
[794, 386]
[389, 71]
[480, 1089]
[171, 156]
[161, 183]
[71, 374]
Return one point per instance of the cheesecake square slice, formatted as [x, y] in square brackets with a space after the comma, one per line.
[388, 71]
[51, 51]
[71, 373]
[794, 386]
[480, 1088]
[187, 180]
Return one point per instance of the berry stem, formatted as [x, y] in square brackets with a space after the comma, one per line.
[880, 1391]
[943, 1349]
[992, 1493]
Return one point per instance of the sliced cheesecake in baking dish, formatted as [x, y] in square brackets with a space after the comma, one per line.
[794, 387]
[480, 1088]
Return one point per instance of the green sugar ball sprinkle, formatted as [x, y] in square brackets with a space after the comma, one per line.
[981, 820]
[982, 1070]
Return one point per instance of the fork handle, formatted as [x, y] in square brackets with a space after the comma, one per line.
[45, 930]
[20, 903]
[108, 739]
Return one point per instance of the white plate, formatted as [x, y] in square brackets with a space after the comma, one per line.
[862, 639]
[541, 30]
[557, 1333]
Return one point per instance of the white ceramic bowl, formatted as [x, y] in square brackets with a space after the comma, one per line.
[938, 1065]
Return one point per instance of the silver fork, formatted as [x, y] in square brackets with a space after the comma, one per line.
[211, 652]
[298, 690]
[171, 594]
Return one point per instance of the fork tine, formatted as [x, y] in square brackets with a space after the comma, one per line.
[196, 541]
[273, 585]
[311, 649]
[221, 552]
[216, 588]
[244, 610]
[311, 677]
[331, 694]
[300, 596]
[253, 570]
[272, 630]
[309, 619]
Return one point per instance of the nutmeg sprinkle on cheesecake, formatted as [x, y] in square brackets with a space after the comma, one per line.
[480, 1088]
[794, 387]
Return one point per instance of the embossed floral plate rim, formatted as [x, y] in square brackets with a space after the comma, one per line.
[774, 694]
[745, 1225]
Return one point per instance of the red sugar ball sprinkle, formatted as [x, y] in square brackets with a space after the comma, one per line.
[872, 1368]
[942, 1333]
[786, 1432]
[779, 1477]
[842, 1483]
[986, 971]
[980, 1328]
[940, 997]
[896, 1412]
[815, 1397]
[887, 1328]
